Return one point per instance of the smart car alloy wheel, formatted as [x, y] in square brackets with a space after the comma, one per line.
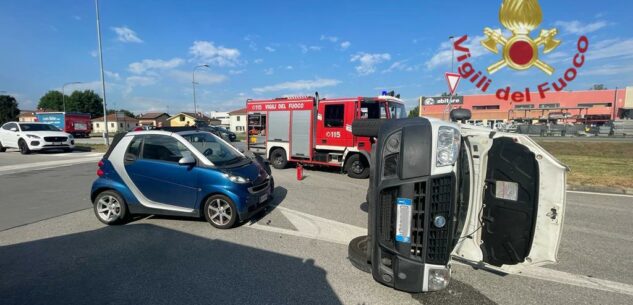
[220, 212]
[110, 208]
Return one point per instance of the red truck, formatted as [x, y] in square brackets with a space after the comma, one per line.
[314, 131]
[77, 124]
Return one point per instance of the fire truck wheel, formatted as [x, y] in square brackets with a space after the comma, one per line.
[278, 158]
[357, 167]
[357, 254]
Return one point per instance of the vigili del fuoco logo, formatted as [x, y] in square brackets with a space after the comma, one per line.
[520, 51]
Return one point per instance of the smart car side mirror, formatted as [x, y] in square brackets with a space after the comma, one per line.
[188, 160]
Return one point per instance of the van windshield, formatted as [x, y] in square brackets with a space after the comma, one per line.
[217, 151]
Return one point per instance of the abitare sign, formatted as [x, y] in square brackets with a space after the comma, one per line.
[442, 100]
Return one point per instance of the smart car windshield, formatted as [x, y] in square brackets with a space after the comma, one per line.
[218, 152]
[38, 127]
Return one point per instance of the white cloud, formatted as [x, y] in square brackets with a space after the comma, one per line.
[78, 18]
[137, 80]
[94, 53]
[236, 72]
[251, 41]
[269, 71]
[289, 67]
[577, 27]
[112, 75]
[305, 49]
[203, 77]
[125, 34]
[258, 61]
[270, 49]
[367, 62]
[609, 70]
[329, 38]
[207, 52]
[400, 66]
[444, 54]
[611, 48]
[345, 45]
[154, 64]
[299, 85]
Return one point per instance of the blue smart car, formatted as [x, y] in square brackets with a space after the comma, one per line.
[184, 173]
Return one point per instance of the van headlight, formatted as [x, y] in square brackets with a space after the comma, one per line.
[438, 279]
[391, 154]
[448, 140]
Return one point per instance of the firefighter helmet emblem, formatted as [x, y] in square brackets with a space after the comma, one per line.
[520, 51]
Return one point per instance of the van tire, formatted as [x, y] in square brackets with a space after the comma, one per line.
[278, 158]
[357, 167]
[357, 254]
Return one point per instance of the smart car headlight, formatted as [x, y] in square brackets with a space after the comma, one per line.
[236, 179]
[448, 140]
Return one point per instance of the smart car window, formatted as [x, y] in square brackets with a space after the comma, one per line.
[134, 150]
[163, 148]
[216, 151]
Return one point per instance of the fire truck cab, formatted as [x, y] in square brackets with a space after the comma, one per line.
[315, 131]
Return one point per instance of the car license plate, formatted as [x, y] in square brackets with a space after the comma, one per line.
[403, 220]
[57, 143]
[263, 198]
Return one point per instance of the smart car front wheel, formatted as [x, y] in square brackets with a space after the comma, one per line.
[220, 212]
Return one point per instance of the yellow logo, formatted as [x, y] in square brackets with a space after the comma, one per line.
[520, 51]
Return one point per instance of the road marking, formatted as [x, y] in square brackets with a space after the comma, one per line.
[9, 169]
[318, 228]
[605, 234]
[600, 194]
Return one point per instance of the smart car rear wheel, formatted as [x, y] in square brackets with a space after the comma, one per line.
[220, 212]
[110, 208]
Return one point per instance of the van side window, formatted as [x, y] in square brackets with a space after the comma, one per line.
[334, 115]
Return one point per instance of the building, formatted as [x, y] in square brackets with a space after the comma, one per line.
[27, 116]
[237, 120]
[155, 119]
[224, 117]
[590, 106]
[116, 123]
[190, 119]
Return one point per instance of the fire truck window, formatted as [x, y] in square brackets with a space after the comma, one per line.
[334, 115]
[372, 111]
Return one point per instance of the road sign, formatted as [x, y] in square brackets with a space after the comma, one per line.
[453, 81]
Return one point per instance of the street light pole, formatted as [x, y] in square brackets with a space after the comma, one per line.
[64, 93]
[450, 96]
[103, 90]
[193, 84]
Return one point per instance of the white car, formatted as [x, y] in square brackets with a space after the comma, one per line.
[34, 136]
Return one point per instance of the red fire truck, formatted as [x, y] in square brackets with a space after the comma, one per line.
[314, 131]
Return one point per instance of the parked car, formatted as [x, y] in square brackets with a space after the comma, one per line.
[34, 136]
[226, 134]
[185, 173]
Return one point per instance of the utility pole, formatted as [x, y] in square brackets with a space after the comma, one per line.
[193, 84]
[103, 90]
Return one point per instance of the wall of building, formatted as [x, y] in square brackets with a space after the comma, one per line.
[237, 123]
[182, 120]
[114, 126]
[489, 108]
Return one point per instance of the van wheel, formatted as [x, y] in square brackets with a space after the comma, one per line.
[24, 148]
[357, 254]
[278, 158]
[357, 167]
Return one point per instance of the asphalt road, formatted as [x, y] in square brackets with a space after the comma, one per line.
[54, 251]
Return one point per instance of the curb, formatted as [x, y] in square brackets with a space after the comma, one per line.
[600, 189]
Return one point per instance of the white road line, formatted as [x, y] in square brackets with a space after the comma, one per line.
[318, 228]
[45, 165]
[600, 194]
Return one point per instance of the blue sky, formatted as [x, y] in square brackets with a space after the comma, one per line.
[262, 49]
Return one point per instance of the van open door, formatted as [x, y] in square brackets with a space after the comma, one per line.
[515, 215]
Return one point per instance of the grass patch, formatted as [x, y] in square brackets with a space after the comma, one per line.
[91, 147]
[607, 164]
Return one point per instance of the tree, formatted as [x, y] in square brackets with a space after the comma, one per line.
[52, 100]
[125, 111]
[9, 110]
[86, 102]
[415, 112]
[598, 87]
